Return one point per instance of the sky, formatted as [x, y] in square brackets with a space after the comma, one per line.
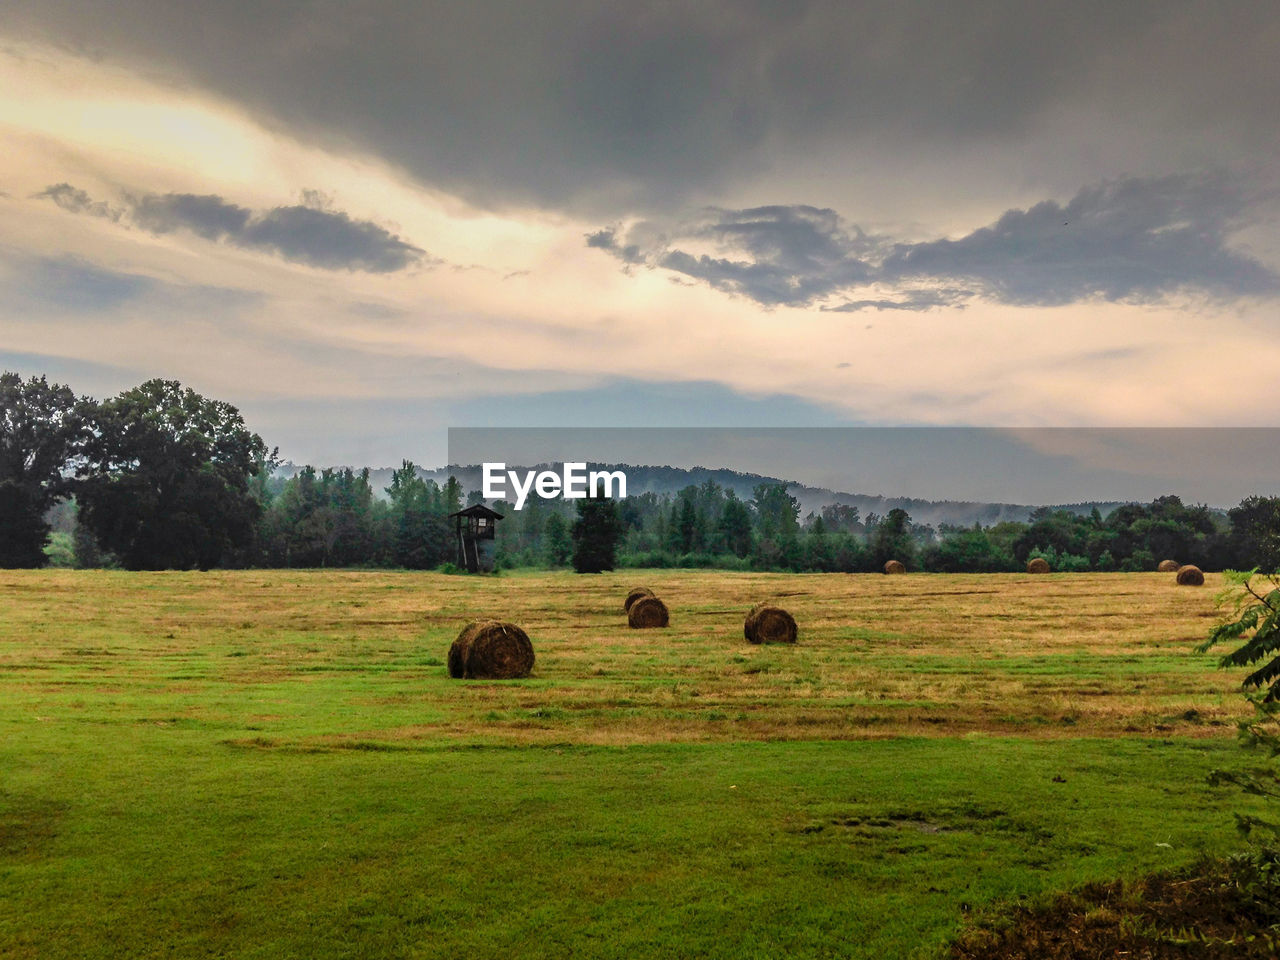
[363, 223]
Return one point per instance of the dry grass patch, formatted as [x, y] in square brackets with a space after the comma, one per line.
[351, 653]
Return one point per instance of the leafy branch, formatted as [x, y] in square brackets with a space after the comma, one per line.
[1255, 619]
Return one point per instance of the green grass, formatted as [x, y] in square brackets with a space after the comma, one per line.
[275, 765]
[165, 840]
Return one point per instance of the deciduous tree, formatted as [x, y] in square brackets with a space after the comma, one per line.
[42, 430]
[166, 478]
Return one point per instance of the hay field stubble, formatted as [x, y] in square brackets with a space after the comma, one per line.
[275, 763]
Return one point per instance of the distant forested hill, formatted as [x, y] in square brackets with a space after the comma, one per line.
[671, 480]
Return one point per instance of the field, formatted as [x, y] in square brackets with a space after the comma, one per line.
[275, 764]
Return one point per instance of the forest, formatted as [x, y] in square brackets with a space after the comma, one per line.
[162, 478]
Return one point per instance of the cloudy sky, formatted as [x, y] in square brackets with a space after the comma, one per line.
[364, 222]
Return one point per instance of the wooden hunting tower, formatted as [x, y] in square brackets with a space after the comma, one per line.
[475, 527]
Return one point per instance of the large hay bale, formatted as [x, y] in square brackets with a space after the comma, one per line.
[769, 624]
[894, 566]
[491, 650]
[635, 595]
[1037, 565]
[647, 612]
[1168, 566]
[462, 647]
[1190, 576]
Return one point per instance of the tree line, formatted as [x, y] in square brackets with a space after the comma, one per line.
[708, 526]
[159, 477]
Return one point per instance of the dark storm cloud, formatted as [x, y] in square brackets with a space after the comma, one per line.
[645, 105]
[1135, 240]
[328, 239]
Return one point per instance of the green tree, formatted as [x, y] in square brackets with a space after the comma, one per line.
[778, 513]
[892, 540]
[348, 508]
[1255, 532]
[166, 478]
[420, 538]
[1052, 533]
[777, 510]
[965, 551]
[841, 518]
[595, 534]
[42, 429]
[1255, 619]
[557, 545]
[685, 519]
[818, 554]
[735, 526]
[295, 529]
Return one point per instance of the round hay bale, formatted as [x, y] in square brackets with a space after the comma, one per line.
[635, 595]
[1037, 565]
[1168, 566]
[647, 612]
[894, 566]
[491, 650]
[1190, 576]
[461, 648]
[769, 624]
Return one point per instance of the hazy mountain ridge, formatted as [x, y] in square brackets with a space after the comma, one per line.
[671, 480]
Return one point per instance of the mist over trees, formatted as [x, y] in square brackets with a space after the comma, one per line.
[159, 477]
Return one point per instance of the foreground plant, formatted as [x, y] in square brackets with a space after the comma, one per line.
[1255, 618]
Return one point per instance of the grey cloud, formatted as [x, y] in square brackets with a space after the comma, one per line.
[1137, 240]
[783, 255]
[1130, 240]
[652, 105]
[607, 239]
[328, 239]
[74, 200]
[206, 216]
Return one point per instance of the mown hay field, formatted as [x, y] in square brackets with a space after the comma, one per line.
[275, 764]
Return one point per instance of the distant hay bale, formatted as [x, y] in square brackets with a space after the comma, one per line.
[491, 650]
[635, 595]
[1168, 566]
[769, 624]
[894, 566]
[1037, 565]
[1190, 576]
[647, 612]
